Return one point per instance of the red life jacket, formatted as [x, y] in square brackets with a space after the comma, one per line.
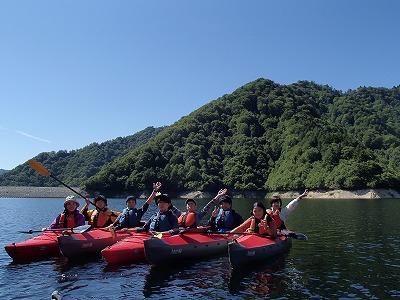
[277, 218]
[66, 222]
[187, 219]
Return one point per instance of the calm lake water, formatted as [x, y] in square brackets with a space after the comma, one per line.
[353, 252]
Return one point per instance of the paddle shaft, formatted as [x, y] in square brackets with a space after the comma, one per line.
[78, 229]
[294, 235]
[38, 167]
[79, 194]
[54, 177]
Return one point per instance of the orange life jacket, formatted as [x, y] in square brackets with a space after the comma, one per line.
[66, 222]
[187, 219]
[255, 228]
[277, 218]
[98, 219]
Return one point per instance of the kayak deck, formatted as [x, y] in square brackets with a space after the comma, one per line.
[82, 245]
[127, 250]
[179, 248]
[251, 248]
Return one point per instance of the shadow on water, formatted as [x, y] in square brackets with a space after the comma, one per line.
[261, 278]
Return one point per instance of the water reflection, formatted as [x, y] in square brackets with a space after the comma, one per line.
[259, 279]
[203, 279]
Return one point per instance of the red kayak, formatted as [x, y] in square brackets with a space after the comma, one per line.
[42, 246]
[189, 245]
[253, 247]
[87, 244]
[127, 250]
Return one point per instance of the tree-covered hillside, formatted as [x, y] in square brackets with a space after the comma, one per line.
[75, 166]
[266, 136]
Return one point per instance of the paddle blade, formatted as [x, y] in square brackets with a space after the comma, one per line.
[38, 167]
[157, 235]
[295, 235]
[112, 231]
[298, 236]
[30, 231]
[81, 229]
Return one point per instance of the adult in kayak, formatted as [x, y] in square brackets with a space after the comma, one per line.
[280, 213]
[70, 217]
[190, 218]
[224, 218]
[259, 222]
[100, 217]
[131, 216]
[163, 220]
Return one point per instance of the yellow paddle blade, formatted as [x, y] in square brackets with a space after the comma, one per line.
[38, 167]
[157, 235]
[111, 229]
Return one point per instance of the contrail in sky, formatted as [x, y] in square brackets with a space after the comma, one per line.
[31, 136]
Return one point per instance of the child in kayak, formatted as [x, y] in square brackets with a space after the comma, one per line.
[280, 213]
[224, 218]
[70, 217]
[190, 218]
[131, 216]
[260, 222]
[163, 220]
[100, 217]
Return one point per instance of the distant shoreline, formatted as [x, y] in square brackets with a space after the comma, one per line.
[62, 192]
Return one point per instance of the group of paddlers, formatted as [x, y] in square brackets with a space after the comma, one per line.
[170, 219]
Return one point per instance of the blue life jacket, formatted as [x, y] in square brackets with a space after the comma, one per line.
[163, 221]
[227, 219]
[129, 218]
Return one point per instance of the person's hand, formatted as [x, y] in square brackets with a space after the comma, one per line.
[87, 201]
[304, 194]
[221, 192]
[156, 186]
[215, 211]
[44, 229]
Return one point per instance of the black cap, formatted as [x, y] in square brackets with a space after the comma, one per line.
[190, 200]
[130, 198]
[225, 198]
[162, 197]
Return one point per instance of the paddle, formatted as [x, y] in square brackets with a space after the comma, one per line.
[291, 234]
[38, 167]
[294, 235]
[79, 229]
[204, 229]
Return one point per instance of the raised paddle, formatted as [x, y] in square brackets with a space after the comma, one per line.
[38, 167]
[79, 229]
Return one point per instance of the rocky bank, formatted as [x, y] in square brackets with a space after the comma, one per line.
[61, 192]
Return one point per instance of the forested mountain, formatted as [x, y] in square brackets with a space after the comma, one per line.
[74, 167]
[263, 136]
[2, 171]
[266, 136]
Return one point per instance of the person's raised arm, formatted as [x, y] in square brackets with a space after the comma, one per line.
[305, 193]
[206, 208]
[156, 188]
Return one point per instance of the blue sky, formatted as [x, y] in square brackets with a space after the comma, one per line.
[77, 72]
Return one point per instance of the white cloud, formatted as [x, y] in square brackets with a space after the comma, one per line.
[31, 136]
